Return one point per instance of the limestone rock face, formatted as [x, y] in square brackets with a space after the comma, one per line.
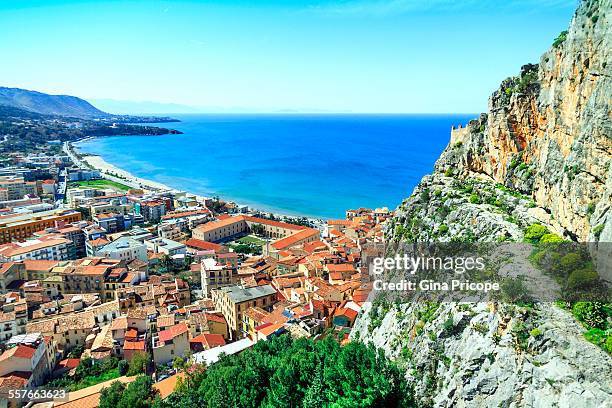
[469, 355]
[548, 132]
[542, 153]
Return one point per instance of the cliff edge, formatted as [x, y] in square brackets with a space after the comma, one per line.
[541, 155]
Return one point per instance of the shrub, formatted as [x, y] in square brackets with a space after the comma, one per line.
[448, 324]
[535, 333]
[582, 278]
[534, 232]
[550, 239]
[560, 39]
[480, 328]
[608, 344]
[591, 208]
[514, 290]
[570, 262]
[443, 229]
[123, 366]
[459, 144]
[474, 199]
[425, 195]
[598, 230]
[593, 314]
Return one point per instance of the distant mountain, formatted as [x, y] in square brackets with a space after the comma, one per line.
[63, 105]
[122, 107]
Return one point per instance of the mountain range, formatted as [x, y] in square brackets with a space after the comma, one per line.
[38, 102]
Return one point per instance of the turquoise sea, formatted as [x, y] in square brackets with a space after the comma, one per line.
[314, 165]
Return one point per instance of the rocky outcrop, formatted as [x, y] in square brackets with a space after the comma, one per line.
[541, 154]
[548, 132]
[491, 355]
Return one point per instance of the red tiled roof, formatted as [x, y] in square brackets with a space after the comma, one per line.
[134, 345]
[69, 363]
[343, 267]
[204, 245]
[295, 238]
[172, 332]
[213, 317]
[210, 340]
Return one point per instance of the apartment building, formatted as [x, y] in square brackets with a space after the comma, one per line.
[214, 275]
[15, 188]
[233, 301]
[17, 227]
[51, 247]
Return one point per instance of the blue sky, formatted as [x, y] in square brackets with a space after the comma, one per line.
[358, 56]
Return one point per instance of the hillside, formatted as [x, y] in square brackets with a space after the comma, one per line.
[540, 158]
[62, 105]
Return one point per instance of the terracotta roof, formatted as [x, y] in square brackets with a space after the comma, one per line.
[343, 267]
[345, 311]
[12, 381]
[165, 321]
[20, 351]
[69, 363]
[204, 245]
[134, 345]
[172, 332]
[99, 241]
[293, 239]
[273, 223]
[213, 317]
[339, 222]
[210, 340]
[39, 265]
[257, 314]
[268, 328]
[13, 249]
[5, 267]
[166, 386]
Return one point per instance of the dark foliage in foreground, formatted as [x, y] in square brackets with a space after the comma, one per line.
[284, 372]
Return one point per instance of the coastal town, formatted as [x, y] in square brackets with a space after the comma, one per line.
[105, 277]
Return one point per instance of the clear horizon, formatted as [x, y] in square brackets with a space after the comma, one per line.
[322, 56]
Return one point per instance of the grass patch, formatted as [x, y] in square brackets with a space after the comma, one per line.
[249, 239]
[72, 385]
[99, 184]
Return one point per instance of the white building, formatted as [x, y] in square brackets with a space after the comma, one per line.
[126, 249]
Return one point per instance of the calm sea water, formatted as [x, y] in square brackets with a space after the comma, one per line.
[315, 165]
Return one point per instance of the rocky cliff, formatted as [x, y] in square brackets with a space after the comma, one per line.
[541, 155]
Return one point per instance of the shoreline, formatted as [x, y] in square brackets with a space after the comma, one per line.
[125, 177]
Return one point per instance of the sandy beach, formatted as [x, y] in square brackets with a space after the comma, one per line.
[121, 175]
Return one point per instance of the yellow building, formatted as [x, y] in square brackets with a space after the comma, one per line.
[18, 227]
[234, 301]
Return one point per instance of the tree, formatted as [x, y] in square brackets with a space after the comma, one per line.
[283, 372]
[258, 230]
[139, 364]
[124, 366]
[178, 363]
[110, 397]
[138, 394]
